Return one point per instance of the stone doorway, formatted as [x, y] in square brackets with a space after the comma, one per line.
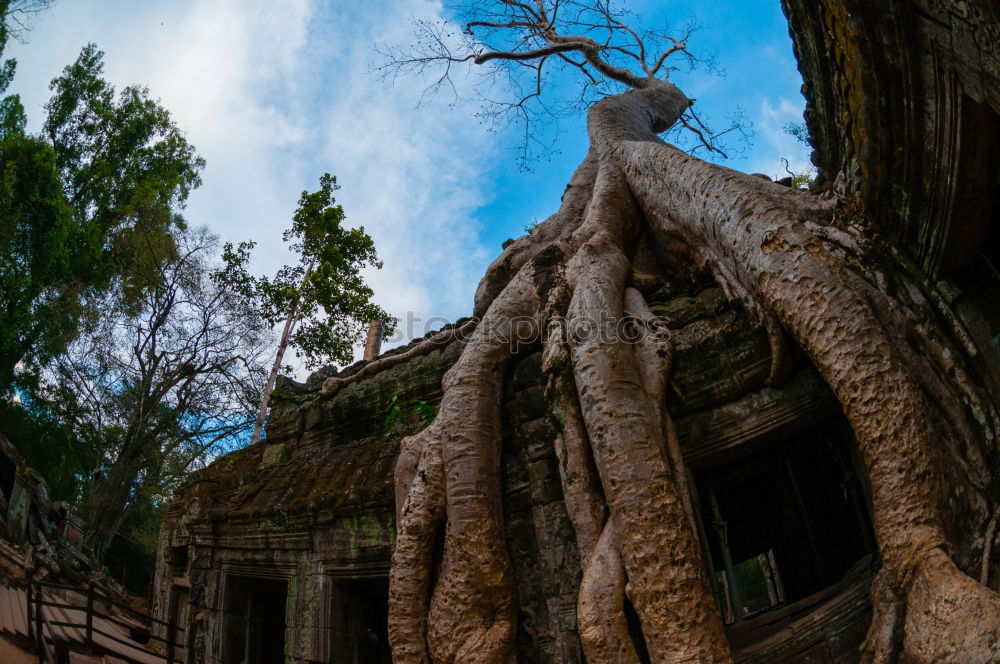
[359, 617]
[254, 621]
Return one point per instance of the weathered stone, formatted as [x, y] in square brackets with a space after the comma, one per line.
[902, 99]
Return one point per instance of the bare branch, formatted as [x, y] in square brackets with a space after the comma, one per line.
[706, 140]
[483, 58]
[508, 37]
[21, 14]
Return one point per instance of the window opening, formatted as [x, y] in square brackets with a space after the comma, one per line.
[785, 522]
[254, 621]
[8, 469]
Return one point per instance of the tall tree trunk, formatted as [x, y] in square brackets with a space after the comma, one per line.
[109, 499]
[279, 356]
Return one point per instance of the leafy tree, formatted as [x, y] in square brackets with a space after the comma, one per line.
[35, 224]
[159, 382]
[322, 300]
[80, 204]
[50, 446]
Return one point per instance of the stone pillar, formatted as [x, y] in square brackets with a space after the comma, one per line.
[374, 343]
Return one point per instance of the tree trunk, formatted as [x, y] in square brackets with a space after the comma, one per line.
[775, 250]
[286, 334]
[109, 499]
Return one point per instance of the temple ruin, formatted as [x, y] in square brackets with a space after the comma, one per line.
[281, 551]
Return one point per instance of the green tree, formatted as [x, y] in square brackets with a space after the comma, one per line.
[159, 382]
[322, 300]
[80, 204]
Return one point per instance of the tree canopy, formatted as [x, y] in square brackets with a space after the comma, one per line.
[101, 185]
[321, 299]
[159, 382]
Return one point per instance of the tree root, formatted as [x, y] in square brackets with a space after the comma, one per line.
[581, 488]
[885, 634]
[418, 521]
[765, 247]
[654, 353]
[667, 582]
[554, 230]
[988, 540]
[600, 611]
[950, 618]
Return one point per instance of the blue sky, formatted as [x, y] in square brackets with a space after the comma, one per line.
[275, 94]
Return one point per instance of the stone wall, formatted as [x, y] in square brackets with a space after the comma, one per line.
[903, 97]
[312, 504]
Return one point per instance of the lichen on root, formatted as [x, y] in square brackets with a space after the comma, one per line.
[624, 483]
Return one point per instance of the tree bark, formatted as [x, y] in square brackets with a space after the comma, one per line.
[773, 249]
[286, 334]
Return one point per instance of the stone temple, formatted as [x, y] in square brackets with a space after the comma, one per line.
[281, 551]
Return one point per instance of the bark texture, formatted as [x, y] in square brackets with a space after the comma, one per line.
[637, 202]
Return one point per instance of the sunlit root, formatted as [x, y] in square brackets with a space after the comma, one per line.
[473, 610]
[950, 618]
[654, 353]
[581, 487]
[667, 582]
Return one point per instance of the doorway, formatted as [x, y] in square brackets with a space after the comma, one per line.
[359, 622]
[254, 621]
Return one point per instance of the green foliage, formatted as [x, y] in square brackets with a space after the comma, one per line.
[324, 288]
[45, 259]
[799, 131]
[62, 456]
[131, 556]
[387, 416]
[425, 412]
[801, 180]
[83, 206]
[124, 163]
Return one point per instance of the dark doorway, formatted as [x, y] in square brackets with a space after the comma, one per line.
[254, 621]
[8, 469]
[785, 522]
[359, 620]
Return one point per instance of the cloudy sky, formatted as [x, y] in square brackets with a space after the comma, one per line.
[273, 94]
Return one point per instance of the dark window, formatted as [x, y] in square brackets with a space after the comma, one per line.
[8, 469]
[784, 523]
[179, 560]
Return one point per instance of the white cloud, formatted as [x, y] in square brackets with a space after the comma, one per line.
[773, 143]
[273, 95]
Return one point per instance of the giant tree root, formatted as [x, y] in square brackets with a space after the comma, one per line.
[772, 249]
[600, 611]
[949, 616]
